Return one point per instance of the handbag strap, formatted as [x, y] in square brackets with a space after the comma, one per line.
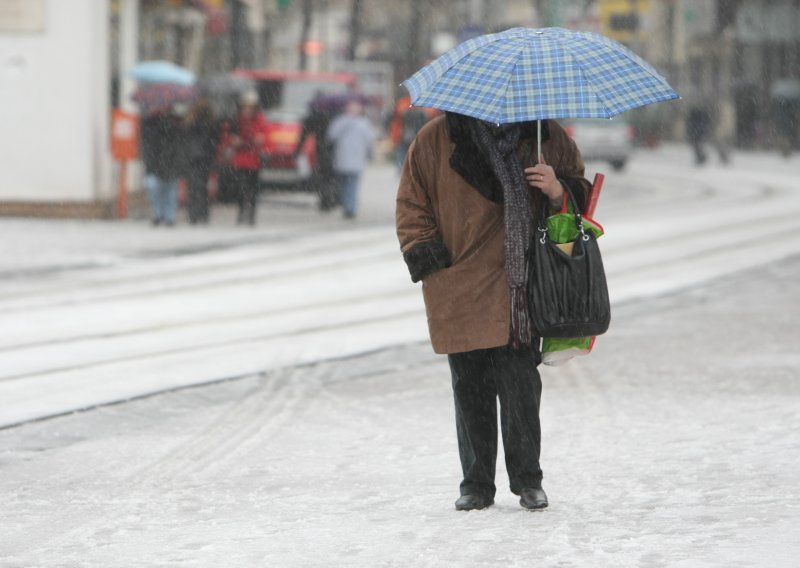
[571, 196]
[575, 208]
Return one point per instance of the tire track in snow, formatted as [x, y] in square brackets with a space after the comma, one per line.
[125, 348]
[211, 279]
[193, 460]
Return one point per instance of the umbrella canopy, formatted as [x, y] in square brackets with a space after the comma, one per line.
[154, 96]
[526, 74]
[224, 84]
[161, 72]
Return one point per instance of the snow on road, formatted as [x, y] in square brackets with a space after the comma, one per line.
[676, 444]
[123, 324]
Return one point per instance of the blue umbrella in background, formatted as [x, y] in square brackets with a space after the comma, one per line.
[525, 74]
[161, 72]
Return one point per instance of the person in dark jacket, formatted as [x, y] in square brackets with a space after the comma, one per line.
[468, 195]
[322, 109]
[201, 136]
[160, 142]
[698, 129]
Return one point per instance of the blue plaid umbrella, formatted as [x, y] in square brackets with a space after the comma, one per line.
[161, 72]
[526, 74]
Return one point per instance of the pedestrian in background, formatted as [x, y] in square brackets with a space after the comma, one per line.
[784, 116]
[698, 129]
[247, 143]
[352, 137]
[161, 154]
[321, 111]
[724, 129]
[201, 137]
[467, 192]
[404, 126]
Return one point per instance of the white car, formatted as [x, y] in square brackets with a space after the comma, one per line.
[602, 139]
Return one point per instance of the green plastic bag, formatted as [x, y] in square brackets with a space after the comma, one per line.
[561, 227]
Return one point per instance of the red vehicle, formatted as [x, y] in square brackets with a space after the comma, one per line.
[285, 96]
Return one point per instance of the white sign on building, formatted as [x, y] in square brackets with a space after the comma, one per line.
[22, 16]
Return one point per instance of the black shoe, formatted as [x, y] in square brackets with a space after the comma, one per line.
[533, 498]
[472, 501]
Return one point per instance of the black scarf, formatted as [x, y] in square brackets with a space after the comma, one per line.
[469, 162]
[486, 157]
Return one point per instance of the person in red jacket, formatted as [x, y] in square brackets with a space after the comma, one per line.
[247, 140]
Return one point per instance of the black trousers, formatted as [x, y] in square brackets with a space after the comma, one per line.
[247, 193]
[479, 378]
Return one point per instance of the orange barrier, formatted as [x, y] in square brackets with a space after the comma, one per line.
[124, 147]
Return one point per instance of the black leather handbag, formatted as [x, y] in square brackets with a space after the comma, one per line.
[567, 290]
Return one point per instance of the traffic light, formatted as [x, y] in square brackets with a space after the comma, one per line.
[624, 22]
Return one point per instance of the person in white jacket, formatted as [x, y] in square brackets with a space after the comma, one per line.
[352, 137]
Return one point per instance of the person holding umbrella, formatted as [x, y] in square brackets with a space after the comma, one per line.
[472, 184]
[162, 85]
[452, 229]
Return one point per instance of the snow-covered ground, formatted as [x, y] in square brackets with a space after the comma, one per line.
[99, 312]
[676, 443]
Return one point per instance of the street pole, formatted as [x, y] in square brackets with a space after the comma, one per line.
[239, 34]
[476, 12]
[412, 56]
[128, 50]
[100, 94]
[355, 29]
[308, 7]
[541, 12]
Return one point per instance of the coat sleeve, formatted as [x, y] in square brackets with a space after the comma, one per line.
[568, 164]
[421, 243]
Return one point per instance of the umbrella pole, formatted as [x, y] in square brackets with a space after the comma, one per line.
[538, 140]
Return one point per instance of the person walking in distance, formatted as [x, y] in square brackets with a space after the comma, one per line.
[247, 141]
[352, 137]
[468, 195]
[321, 111]
[161, 155]
[201, 136]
